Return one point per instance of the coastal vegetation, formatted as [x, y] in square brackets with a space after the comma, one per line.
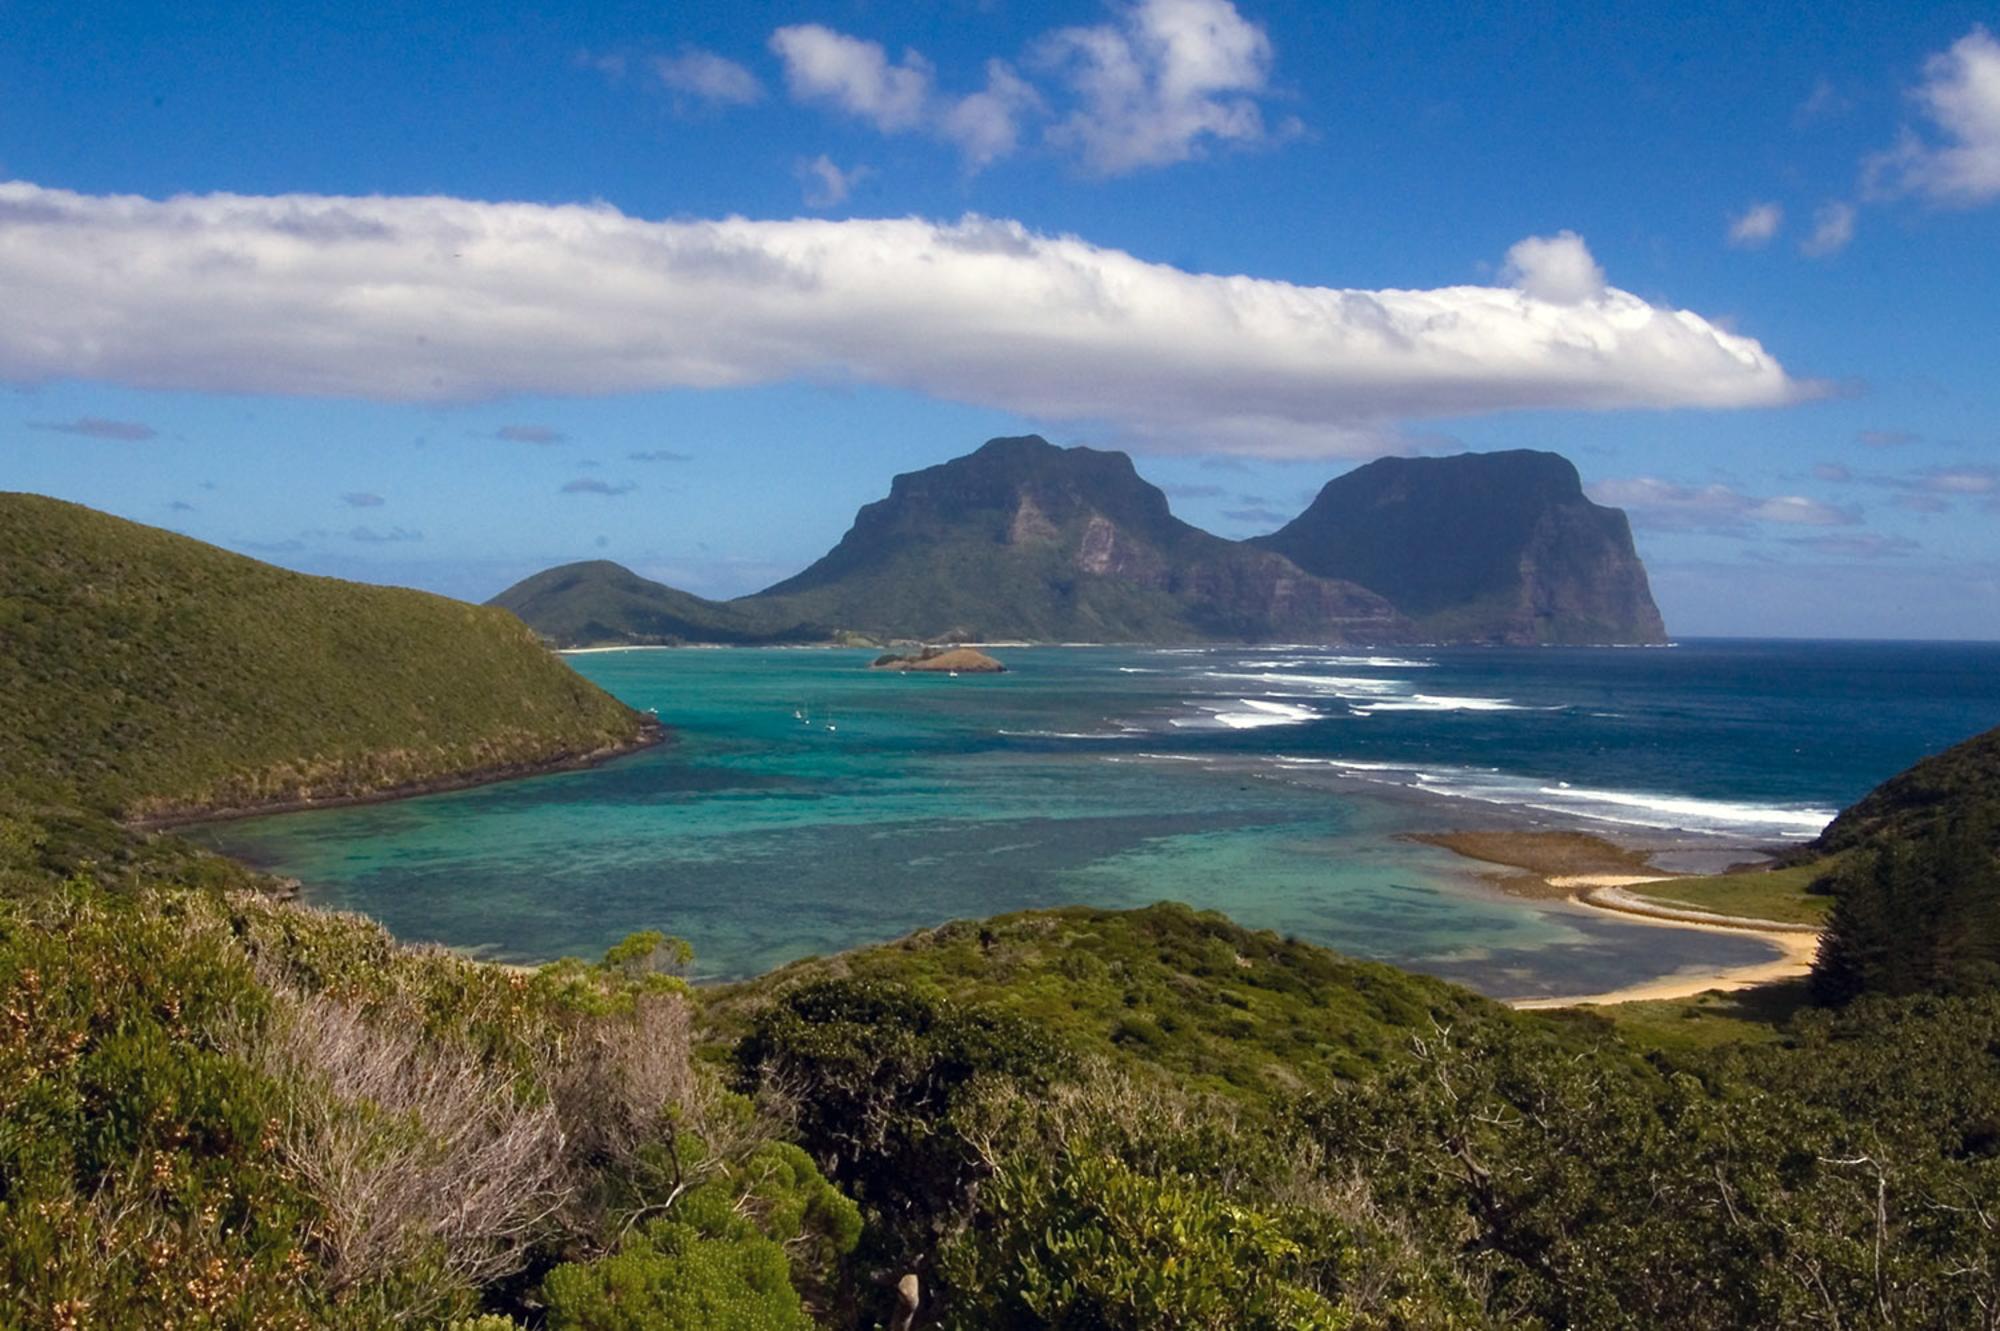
[1784, 895]
[148, 675]
[1913, 871]
[222, 1109]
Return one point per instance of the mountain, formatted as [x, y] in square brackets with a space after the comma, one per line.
[1022, 539]
[150, 675]
[1481, 547]
[599, 603]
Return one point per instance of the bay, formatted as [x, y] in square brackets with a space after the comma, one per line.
[807, 805]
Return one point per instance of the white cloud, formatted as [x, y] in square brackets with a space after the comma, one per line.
[708, 77]
[1756, 225]
[1797, 510]
[855, 76]
[1960, 96]
[987, 125]
[440, 299]
[1150, 88]
[1558, 269]
[1833, 228]
[1156, 84]
[1857, 545]
[825, 184]
[822, 65]
[1952, 481]
[1714, 508]
[96, 427]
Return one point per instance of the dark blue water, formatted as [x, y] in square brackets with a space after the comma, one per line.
[810, 805]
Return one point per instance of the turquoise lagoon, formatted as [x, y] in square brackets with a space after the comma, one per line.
[807, 805]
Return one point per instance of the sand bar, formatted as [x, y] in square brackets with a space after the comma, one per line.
[1595, 874]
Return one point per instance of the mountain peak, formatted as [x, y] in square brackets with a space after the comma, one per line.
[1499, 546]
[1012, 446]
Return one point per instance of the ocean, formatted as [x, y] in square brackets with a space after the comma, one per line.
[807, 805]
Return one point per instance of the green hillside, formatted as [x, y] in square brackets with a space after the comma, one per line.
[149, 674]
[1916, 889]
[1960, 783]
[1189, 993]
[599, 603]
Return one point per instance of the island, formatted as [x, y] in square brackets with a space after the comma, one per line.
[941, 661]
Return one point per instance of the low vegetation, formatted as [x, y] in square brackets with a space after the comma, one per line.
[1784, 895]
[150, 675]
[218, 1110]
[1167, 991]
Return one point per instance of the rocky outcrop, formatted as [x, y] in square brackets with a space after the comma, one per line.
[941, 661]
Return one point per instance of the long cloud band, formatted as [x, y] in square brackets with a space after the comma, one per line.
[441, 299]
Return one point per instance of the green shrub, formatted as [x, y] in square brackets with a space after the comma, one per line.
[1085, 1242]
[876, 1071]
[706, 1267]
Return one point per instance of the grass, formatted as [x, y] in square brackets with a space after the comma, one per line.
[1767, 894]
[1707, 1021]
[151, 675]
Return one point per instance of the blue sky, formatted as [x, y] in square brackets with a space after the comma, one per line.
[444, 298]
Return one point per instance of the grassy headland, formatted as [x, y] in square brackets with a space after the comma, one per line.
[148, 675]
[1189, 993]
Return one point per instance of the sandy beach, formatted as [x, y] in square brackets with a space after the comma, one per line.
[1596, 875]
[1796, 946]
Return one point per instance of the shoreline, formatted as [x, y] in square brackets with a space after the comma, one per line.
[1593, 874]
[650, 736]
[1797, 947]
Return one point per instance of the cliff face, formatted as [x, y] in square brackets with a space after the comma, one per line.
[1024, 539]
[1482, 547]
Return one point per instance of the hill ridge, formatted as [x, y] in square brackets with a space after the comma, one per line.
[159, 678]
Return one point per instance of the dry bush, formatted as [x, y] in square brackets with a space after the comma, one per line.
[620, 1081]
[412, 1146]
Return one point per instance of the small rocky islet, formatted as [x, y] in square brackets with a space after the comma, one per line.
[941, 661]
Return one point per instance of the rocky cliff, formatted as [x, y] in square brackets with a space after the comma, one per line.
[1481, 547]
[1022, 539]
